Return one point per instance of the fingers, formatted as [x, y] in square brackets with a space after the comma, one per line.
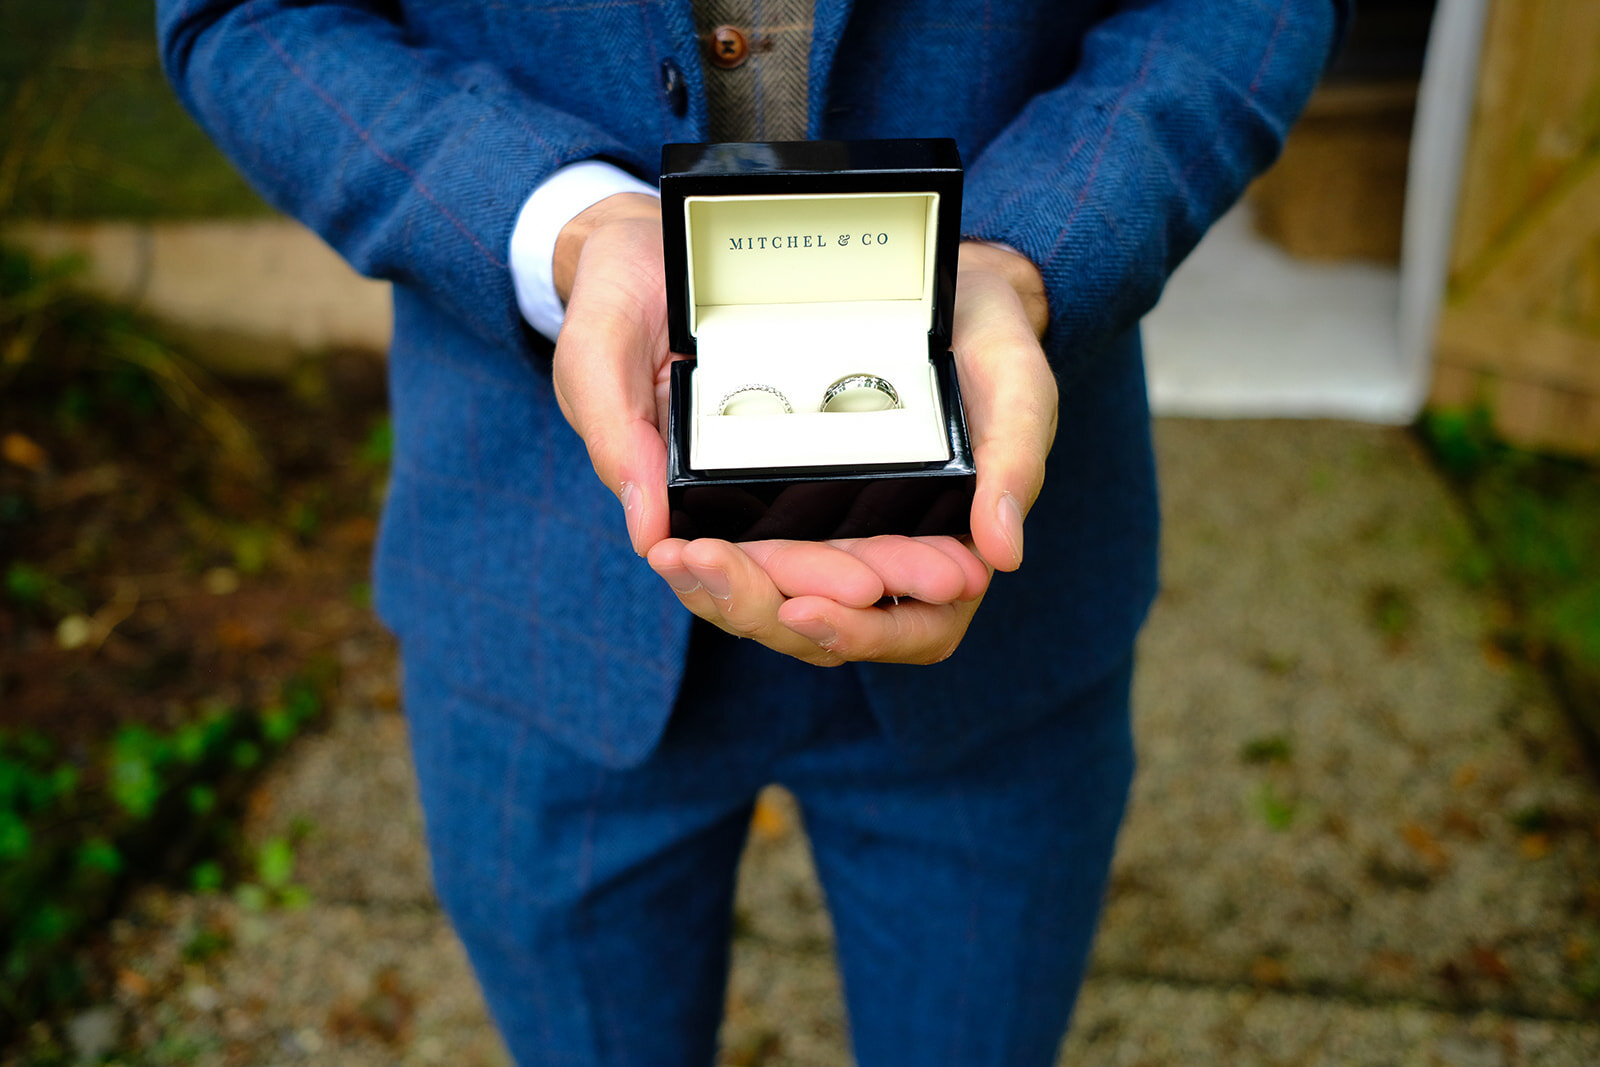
[975, 573]
[908, 632]
[861, 571]
[919, 568]
[810, 568]
[610, 358]
[1011, 399]
[757, 590]
[722, 585]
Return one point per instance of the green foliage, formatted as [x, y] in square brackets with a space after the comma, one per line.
[93, 130]
[378, 448]
[14, 836]
[303, 519]
[1276, 809]
[1392, 611]
[205, 944]
[1273, 748]
[245, 754]
[30, 781]
[25, 585]
[98, 854]
[31, 588]
[298, 705]
[65, 847]
[104, 395]
[274, 885]
[206, 877]
[252, 548]
[202, 800]
[275, 863]
[39, 878]
[1462, 439]
[1584, 978]
[135, 769]
[1531, 819]
[1539, 521]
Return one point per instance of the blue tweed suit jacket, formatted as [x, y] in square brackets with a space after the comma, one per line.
[1101, 139]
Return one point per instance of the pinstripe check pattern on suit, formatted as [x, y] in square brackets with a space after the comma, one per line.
[1101, 139]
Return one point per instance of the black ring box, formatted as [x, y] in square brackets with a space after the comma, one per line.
[822, 497]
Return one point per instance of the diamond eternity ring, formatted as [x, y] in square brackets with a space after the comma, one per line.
[755, 399]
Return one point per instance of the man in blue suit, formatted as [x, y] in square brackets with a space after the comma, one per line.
[588, 753]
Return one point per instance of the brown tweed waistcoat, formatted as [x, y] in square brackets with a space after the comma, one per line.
[763, 98]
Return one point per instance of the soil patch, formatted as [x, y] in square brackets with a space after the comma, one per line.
[180, 561]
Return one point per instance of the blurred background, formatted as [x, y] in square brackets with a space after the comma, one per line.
[1367, 823]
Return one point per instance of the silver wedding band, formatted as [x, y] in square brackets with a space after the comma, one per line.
[860, 392]
[752, 400]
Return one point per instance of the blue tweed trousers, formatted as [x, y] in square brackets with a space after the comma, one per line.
[596, 903]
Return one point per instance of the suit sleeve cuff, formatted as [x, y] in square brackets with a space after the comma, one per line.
[567, 193]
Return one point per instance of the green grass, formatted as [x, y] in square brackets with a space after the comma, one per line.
[1539, 518]
[92, 128]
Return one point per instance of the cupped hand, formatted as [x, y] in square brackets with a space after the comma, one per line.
[811, 602]
[893, 599]
[612, 357]
[1011, 402]
[1009, 390]
[823, 602]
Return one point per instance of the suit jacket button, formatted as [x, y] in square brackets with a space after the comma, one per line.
[728, 47]
[674, 88]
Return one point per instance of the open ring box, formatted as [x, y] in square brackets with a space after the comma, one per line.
[790, 266]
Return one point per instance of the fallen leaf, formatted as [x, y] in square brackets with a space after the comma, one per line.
[359, 531]
[24, 452]
[1268, 971]
[95, 481]
[221, 581]
[74, 631]
[1534, 846]
[1424, 844]
[386, 696]
[769, 821]
[1490, 963]
[132, 983]
[1464, 775]
[1463, 824]
[259, 804]
[763, 1047]
[1387, 961]
[239, 636]
[386, 1013]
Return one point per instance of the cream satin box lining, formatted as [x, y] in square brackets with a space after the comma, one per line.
[855, 273]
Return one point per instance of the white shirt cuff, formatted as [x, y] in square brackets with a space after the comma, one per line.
[561, 197]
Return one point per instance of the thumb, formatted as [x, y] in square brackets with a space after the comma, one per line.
[630, 459]
[1011, 400]
[606, 362]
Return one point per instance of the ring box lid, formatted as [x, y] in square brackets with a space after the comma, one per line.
[775, 230]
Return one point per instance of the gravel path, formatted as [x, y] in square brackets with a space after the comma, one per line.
[1359, 834]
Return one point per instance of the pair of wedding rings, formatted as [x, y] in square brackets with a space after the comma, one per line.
[853, 392]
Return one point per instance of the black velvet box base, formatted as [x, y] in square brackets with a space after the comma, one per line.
[772, 487]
